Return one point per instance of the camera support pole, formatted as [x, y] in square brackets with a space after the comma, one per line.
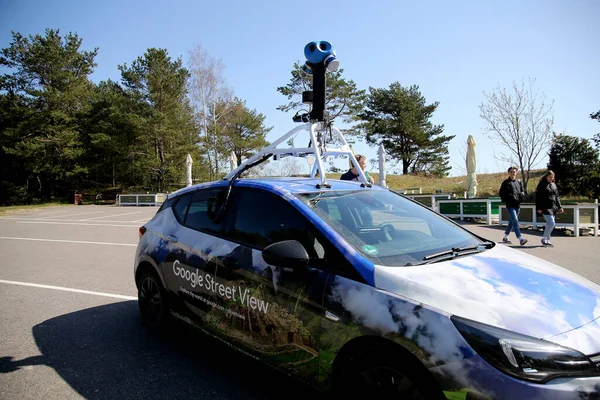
[320, 58]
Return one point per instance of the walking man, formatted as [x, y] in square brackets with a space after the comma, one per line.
[511, 193]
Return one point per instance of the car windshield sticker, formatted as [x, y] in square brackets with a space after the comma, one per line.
[371, 250]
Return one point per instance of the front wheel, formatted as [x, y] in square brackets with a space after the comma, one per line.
[372, 373]
[152, 302]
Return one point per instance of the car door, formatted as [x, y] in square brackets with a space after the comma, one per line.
[196, 245]
[277, 312]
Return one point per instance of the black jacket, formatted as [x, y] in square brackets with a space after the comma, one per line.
[547, 198]
[349, 176]
[511, 193]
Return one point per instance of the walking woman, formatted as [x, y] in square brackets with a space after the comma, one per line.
[547, 202]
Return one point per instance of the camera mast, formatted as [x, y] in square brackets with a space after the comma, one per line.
[320, 58]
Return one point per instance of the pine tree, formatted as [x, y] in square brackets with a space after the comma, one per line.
[399, 118]
[49, 91]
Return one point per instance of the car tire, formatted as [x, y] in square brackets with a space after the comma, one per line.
[383, 374]
[152, 302]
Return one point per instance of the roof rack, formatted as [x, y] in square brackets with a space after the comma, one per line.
[318, 147]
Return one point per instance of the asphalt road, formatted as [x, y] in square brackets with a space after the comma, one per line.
[70, 327]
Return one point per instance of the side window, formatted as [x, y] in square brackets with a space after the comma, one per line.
[180, 208]
[262, 219]
[198, 215]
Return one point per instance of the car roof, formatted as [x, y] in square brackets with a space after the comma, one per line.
[283, 185]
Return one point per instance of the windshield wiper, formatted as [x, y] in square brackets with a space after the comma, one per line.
[453, 253]
[487, 244]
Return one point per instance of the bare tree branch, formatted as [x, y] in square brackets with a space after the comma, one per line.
[522, 121]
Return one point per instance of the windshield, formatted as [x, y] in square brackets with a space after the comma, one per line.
[390, 229]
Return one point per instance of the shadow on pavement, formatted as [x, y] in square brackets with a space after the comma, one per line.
[105, 352]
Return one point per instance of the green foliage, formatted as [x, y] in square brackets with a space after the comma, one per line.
[44, 97]
[398, 118]
[576, 165]
[161, 118]
[343, 99]
[596, 137]
[59, 131]
[241, 130]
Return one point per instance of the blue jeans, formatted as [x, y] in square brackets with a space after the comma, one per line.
[513, 221]
[550, 223]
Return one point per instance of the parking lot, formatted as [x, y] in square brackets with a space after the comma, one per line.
[70, 325]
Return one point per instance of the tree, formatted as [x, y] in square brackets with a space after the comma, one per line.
[164, 118]
[576, 164]
[399, 118]
[343, 99]
[207, 88]
[243, 131]
[47, 93]
[110, 135]
[596, 137]
[522, 121]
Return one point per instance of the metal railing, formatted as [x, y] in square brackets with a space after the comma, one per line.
[430, 200]
[139, 199]
[470, 208]
[576, 216]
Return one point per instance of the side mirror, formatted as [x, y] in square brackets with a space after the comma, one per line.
[286, 254]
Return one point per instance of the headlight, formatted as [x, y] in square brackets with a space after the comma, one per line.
[522, 356]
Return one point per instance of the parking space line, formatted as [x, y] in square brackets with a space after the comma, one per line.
[141, 220]
[47, 220]
[115, 215]
[67, 241]
[77, 215]
[78, 223]
[64, 289]
[53, 212]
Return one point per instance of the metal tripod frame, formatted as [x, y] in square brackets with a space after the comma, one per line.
[317, 147]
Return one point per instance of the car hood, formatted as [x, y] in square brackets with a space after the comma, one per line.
[502, 287]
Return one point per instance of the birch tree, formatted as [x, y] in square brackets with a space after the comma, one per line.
[207, 88]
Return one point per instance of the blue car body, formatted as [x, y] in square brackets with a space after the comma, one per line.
[440, 316]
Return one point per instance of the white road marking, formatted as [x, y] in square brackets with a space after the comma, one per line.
[115, 215]
[53, 212]
[142, 220]
[67, 241]
[77, 223]
[57, 220]
[115, 296]
[77, 215]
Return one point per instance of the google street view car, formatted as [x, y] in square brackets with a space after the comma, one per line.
[353, 287]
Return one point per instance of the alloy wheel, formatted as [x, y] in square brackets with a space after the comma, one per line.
[150, 300]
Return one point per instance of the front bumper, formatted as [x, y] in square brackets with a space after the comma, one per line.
[476, 379]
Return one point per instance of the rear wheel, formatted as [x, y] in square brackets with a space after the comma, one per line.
[152, 302]
[374, 373]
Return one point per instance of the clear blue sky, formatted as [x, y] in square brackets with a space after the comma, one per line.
[452, 50]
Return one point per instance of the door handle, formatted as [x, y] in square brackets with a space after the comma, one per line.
[331, 316]
[172, 238]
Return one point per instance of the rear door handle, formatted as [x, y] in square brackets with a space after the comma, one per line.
[172, 238]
